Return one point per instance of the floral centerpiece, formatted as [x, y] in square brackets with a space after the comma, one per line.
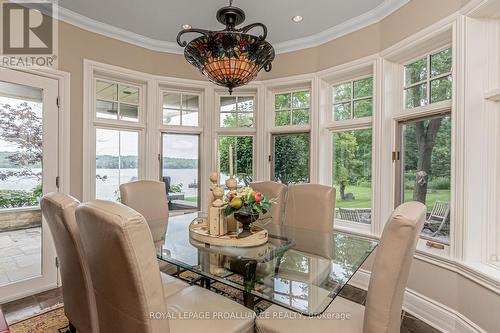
[246, 205]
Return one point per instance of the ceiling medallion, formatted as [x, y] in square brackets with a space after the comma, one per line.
[229, 57]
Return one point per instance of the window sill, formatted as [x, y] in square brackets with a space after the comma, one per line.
[354, 228]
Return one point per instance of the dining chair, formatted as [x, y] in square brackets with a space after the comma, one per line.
[58, 209]
[148, 198]
[310, 206]
[382, 312]
[127, 283]
[272, 190]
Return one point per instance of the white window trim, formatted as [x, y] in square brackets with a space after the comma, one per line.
[349, 74]
[428, 79]
[92, 72]
[141, 106]
[219, 131]
[182, 92]
[287, 85]
[352, 99]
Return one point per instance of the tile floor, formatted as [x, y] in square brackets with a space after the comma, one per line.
[30, 306]
[20, 252]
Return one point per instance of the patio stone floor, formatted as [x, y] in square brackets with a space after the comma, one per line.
[20, 252]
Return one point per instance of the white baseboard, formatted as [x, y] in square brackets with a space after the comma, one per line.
[429, 311]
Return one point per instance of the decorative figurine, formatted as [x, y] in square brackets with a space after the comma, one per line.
[217, 221]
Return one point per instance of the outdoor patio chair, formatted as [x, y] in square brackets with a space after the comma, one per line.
[349, 214]
[438, 217]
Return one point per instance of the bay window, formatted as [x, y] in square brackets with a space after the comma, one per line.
[117, 134]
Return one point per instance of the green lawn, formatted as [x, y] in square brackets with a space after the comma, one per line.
[191, 199]
[363, 197]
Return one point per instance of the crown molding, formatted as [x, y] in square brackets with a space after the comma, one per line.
[356, 23]
[359, 22]
[123, 35]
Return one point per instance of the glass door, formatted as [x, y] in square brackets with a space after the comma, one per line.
[180, 170]
[28, 169]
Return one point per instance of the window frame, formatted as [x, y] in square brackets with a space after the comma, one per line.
[428, 79]
[272, 159]
[182, 92]
[365, 228]
[351, 100]
[358, 71]
[291, 109]
[233, 134]
[291, 91]
[217, 118]
[140, 150]
[141, 114]
[92, 122]
[398, 167]
[402, 114]
[200, 156]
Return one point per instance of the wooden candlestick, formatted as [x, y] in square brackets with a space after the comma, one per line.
[232, 224]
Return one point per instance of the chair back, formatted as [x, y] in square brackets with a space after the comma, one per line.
[125, 273]
[391, 268]
[58, 210]
[149, 198]
[273, 190]
[310, 206]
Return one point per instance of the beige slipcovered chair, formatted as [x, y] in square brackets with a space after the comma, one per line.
[149, 199]
[273, 190]
[310, 206]
[382, 313]
[127, 283]
[79, 303]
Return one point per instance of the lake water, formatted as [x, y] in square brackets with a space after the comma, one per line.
[107, 189]
[16, 183]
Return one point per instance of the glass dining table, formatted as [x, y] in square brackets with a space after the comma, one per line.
[299, 269]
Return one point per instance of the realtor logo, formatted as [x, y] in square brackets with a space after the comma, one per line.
[28, 34]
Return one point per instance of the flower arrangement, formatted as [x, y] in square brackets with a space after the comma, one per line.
[246, 202]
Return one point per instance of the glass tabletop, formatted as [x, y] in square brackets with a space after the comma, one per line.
[299, 269]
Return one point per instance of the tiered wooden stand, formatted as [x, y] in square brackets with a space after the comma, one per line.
[200, 231]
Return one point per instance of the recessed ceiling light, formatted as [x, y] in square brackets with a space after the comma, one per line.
[186, 26]
[297, 19]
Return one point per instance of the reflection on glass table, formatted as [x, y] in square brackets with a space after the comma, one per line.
[299, 269]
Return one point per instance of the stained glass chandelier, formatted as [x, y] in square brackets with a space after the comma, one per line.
[229, 57]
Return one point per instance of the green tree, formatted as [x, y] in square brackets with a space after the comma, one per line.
[344, 144]
[291, 158]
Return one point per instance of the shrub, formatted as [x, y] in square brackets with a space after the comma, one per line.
[16, 198]
[440, 183]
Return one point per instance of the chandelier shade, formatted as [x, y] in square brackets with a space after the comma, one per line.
[230, 57]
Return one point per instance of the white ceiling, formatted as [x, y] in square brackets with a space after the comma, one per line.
[155, 23]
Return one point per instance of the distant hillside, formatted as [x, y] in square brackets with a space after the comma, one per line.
[6, 163]
[130, 162]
